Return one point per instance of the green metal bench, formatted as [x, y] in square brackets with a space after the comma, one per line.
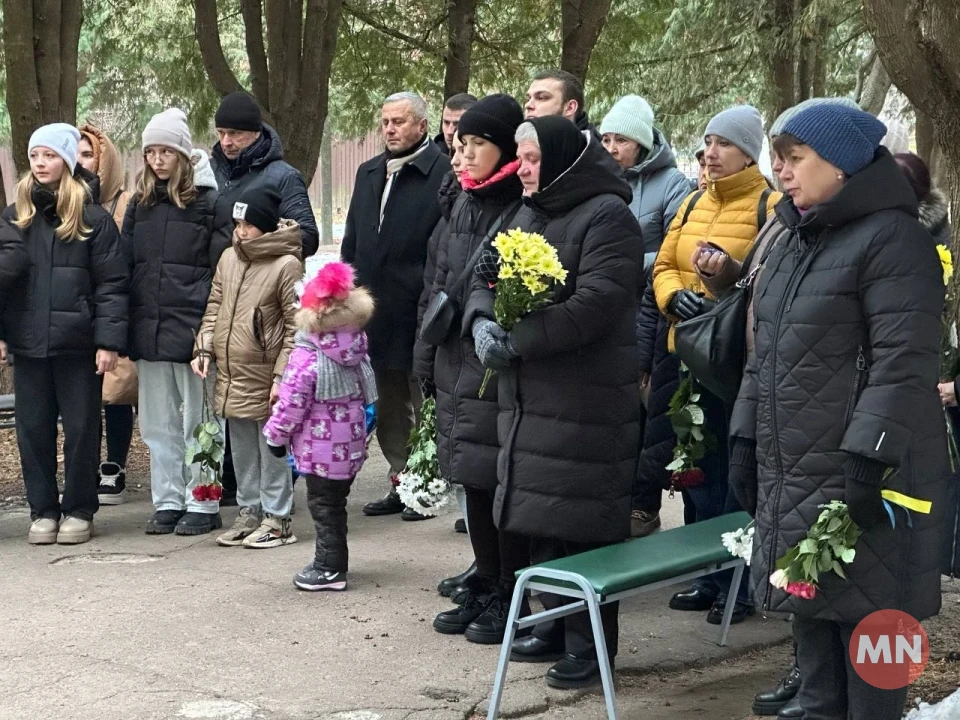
[617, 572]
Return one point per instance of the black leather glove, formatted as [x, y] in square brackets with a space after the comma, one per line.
[278, 451]
[864, 478]
[743, 474]
[427, 388]
[686, 304]
[492, 345]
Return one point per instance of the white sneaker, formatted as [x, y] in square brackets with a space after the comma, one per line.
[273, 532]
[43, 532]
[74, 531]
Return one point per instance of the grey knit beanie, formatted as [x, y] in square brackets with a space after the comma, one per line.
[741, 125]
[631, 117]
[169, 129]
[777, 127]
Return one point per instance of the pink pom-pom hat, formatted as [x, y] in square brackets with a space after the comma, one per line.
[331, 285]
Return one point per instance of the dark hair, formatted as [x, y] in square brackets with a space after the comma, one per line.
[784, 143]
[572, 87]
[916, 172]
[460, 101]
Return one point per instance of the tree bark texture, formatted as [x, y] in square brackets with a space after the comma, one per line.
[326, 190]
[582, 21]
[290, 77]
[461, 23]
[782, 59]
[41, 42]
[876, 85]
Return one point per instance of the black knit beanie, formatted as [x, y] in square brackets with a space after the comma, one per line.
[259, 205]
[494, 118]
[239, 111]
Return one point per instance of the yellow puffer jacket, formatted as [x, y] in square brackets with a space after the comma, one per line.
[726, 215]
[248, 328]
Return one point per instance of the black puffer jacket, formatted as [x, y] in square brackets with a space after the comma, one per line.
[570, 407]
[263, 161]
[72, 297]
[847, 324]
[13, 255]
[173, 254]
[467, 442]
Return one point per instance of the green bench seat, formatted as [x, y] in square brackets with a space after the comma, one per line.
[647, 560]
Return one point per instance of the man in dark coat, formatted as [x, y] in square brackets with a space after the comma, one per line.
[392, 213]
[569, 424]
[453, 109]
[247, 149]
[558, 92]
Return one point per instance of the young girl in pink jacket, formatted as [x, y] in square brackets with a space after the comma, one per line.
[320, 413]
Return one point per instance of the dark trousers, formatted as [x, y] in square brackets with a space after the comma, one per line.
[831, 688]
[712, 498]
[67, 386]
[118, 427]
[574, 630]
[327, 500]
[228, 475]
[498, 554]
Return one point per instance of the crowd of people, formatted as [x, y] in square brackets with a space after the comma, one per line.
[197, 277]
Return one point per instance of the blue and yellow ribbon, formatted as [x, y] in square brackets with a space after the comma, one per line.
[892, 497]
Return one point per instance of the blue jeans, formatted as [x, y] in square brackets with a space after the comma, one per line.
[713, 498]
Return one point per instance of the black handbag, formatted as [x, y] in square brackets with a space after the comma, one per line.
[442, 312]
[714, 345]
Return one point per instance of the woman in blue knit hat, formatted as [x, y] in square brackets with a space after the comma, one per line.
[839, 399]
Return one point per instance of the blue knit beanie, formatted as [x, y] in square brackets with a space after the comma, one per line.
[785, 116]
[845, 137]
[631, 117]
[59, 137]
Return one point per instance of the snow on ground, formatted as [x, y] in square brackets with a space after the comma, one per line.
[946, 709]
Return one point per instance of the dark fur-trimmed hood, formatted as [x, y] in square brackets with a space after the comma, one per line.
[934, 215]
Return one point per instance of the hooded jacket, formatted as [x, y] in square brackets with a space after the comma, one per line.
[658, 189]
[327, 437]
[71, 299]
[844, 376]
[110, 170]
[264, 158]
[248, 328]
[934, 217]
[726, 215]
[172, 253]
[568, 424]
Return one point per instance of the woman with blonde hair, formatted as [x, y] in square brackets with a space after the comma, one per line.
[65, 320]
[168, 233]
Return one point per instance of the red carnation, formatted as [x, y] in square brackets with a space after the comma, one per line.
[201, 493]
[687, 478]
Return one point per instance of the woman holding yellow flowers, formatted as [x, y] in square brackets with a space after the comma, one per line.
[466, 421]
[569, 406]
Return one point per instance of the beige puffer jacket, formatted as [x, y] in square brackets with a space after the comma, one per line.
[110, 170]
[248, 328]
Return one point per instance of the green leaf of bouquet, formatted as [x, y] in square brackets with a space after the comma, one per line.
[848, 555]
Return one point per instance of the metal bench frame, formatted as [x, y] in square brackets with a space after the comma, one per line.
[588, 599]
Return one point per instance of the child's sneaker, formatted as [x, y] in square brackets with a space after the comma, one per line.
[246, 523]
[112, 489]
[273, 532]
[315, 580]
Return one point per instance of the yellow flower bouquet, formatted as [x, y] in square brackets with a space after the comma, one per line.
[528, 269]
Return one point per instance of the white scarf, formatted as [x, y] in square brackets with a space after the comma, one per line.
[395, 165]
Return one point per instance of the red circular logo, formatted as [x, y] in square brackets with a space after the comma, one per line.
[889, 649]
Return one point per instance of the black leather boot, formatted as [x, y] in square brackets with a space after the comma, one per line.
[692, 600]
[791, 711]
[456, 620]
[771, 701]
[573, 672]
[534, 650]
[489, 627]
[451, 583]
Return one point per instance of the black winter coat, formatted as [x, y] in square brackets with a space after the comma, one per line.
[173, 254]
[467, 443]
[848, 310]
[14, 259]
[72, 297]
[570, 406]
[389, 258]
[263, 161]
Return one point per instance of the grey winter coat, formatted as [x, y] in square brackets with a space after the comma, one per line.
[658, 189]
[847, 317]
[569, 415]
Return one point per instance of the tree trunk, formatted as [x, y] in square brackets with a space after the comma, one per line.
[3, 189]
[582, 22]
[782, 57]
[326, 190]
[877, 84]
[461, 22]
[290, 76]
[819, 63]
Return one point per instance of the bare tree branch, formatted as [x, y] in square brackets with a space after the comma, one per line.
[256, 53]
[222, 78]
[367, 19]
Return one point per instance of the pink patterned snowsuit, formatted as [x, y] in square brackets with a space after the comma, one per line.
[327, 437]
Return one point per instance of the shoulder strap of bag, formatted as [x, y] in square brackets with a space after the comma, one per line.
[690, 205]
[113, 205]
[472, 262]
[747, 281]
[762, 209]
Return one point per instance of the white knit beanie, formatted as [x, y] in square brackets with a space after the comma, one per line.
[631, 117]
[170, 129]
[59, 137]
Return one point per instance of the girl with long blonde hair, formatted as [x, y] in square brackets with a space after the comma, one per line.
[65, 320]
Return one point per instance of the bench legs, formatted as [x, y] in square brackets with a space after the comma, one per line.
[600, 642]
[501, 676]
[731, 603]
